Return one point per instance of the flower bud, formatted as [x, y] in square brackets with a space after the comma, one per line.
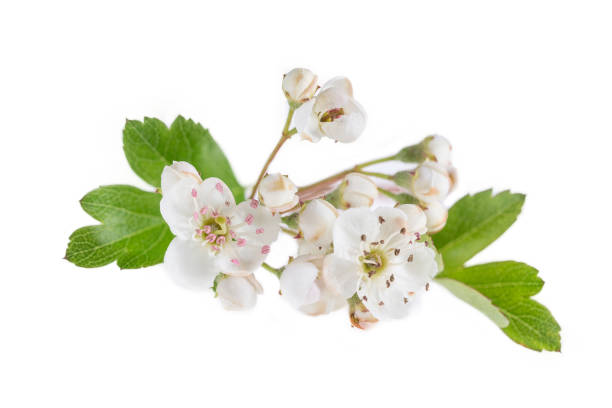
[178, 171]
[436, 214]
[278, 193]
[428, 182]
[438, 149]
[333, 113]
[316, 221]
[238, 292]
[301, 286]
[299, 85]
[358, 190]
[417, 219]
[360, 316]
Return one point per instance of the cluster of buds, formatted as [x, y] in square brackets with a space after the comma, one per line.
[433, 179]
[351, 252]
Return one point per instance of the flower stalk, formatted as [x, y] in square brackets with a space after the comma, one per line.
[285, 135]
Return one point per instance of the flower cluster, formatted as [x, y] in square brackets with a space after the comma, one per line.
[351, 251]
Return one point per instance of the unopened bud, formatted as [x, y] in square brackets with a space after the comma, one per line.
[438, 149]
[436, 214]
[238, 292]
[278, 193]
[299, 85]
[316, 221]
[358, 190]
[428, 182]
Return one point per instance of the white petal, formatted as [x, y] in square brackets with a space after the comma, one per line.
[316, 221]
[340, 275]
[349, 229]
[255, 223]
[237, 293]
[214, 194]
[350, 126]
[178, 205]
[391, 221]
[327, 303]
[190, 264]
[297, 284]
[339, 82]
[305, 123]
[416, 218]
[255, 228]
[422, 269]
[179, 170]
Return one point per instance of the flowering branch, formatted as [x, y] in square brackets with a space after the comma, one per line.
[371, 259]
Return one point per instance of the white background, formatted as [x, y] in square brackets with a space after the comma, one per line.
[523, 90]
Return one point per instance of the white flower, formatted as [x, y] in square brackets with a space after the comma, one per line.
[333, 112]
[213, 234]
[278, 193]
[430, 182]
[302, 286]
[316, 222]
[439, 149]
[178, 171]
[299, 85]
[358, 190]
[238, 292]
[377, 257]
[436, 214]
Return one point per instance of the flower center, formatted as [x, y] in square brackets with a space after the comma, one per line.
[213, 229]
[373, 261]
[332, 115]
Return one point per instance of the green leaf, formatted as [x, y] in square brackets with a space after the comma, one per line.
[502, 291]
[132, 231]
[474, 222]
[150, 145]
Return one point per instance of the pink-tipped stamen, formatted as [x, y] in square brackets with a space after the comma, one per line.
[241, 242]
[249, 219]
[259, 231]
[207, 229]
[235, 261]
[232, 234]
[219, 187]
[265, 249]
[196, 216]
[211, 238]
[203, 210]
[194, 192]
[221, 240]
[254, 203]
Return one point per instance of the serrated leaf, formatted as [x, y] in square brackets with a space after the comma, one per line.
[474, 222]
[150, 145]
[502, 291]
[132, 231]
